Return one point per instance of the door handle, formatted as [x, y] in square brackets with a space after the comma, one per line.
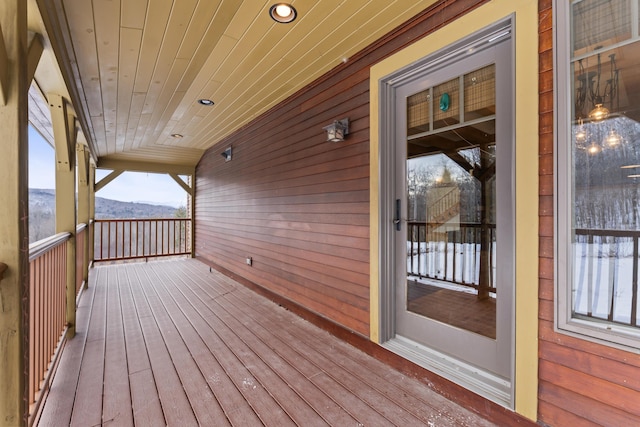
[396, 219]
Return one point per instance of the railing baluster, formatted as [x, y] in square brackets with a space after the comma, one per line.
[144, 231]
[121, 222]
[590, 275]
[634, 281]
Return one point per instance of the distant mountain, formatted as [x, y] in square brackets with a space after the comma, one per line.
[42, 207]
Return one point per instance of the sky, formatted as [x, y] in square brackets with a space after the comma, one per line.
[158, 189]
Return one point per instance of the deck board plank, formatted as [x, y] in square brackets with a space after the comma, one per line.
[116, 397]
[288, 369]
[145, 403]
[61, 396]
[319, 374]
[369, 402]
[267, 374]
[410, 395]
[198, 356]
[363, 402]
[200, 396]
[192, 346]
[87, 407]
[175, 405]
[254, 392]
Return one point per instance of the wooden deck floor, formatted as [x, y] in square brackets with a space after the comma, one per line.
[171, 343]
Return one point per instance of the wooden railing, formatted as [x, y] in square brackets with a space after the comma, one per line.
[47, 311]
[606, 275]
[453, 256]
[121, 239]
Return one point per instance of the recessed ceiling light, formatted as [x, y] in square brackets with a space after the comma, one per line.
[205, 101]
[176, 135]
[283, 13]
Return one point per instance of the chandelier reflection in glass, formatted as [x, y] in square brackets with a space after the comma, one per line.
[616, 131]
[595, 91]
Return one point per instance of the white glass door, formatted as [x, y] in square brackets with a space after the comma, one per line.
[453, 239]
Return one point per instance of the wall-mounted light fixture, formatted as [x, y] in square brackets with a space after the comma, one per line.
[283, 13]
[226, 154]
[337, 130]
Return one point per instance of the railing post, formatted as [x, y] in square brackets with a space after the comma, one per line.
[83, 207]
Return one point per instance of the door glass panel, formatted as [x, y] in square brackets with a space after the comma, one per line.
[419, 113]
[446, 112]
[479, 93]
[451, 194]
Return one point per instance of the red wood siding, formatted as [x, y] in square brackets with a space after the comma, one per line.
[296, 204]
[580, 383]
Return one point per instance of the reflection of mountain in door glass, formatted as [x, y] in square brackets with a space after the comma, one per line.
[451, 170]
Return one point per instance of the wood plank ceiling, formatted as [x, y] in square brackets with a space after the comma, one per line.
[136, 68]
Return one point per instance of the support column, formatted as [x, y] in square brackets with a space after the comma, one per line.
[64, 135]
[14, 212]
[191, 213]
[82, 155]
[92, 211]
[190, 189]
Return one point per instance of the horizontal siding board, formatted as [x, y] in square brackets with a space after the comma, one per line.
[326, 303]
[608, 394]
[296, 165]
[329, 198]
[549, 336]
[254, 157]
[613, 371]
[337, 288]
[334, 288]
[319, 179]
[295, 217]
[598, 413]
[294, 121]
[311, 227]
[552, 415]
[345, 209]
[314, 248]
[332, 264]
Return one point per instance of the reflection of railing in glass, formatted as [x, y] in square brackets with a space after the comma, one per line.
[606, 275]
[451, 255]
[119, 239]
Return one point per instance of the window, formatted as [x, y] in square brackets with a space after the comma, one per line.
[598, 169]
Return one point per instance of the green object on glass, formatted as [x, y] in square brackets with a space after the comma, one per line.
[444, 102]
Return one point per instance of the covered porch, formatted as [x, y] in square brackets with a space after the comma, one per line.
[174, 342]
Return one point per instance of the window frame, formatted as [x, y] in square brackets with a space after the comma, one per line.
[619, 336]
